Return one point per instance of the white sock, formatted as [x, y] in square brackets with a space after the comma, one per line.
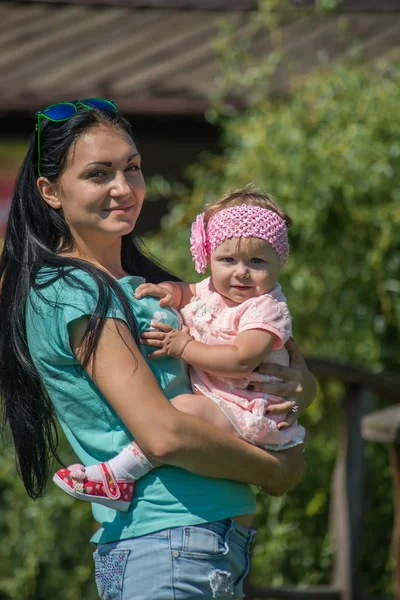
[130, 464]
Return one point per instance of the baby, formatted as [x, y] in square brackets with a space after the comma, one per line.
[235, 320]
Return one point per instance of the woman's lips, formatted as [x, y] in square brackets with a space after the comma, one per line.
[120, 209]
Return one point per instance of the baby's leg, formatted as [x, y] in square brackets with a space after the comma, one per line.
[112, 483]
[200, 406]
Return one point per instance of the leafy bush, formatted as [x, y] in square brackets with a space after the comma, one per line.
[45, 551]
[330, 154]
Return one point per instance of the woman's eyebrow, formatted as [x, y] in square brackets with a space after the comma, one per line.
[107, 163]
[99, 162]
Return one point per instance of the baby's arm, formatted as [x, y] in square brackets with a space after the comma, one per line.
[231, 360]
[170, 293]
[227, 360]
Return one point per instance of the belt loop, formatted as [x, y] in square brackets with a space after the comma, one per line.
[252, 538]
[231, 526]
[226, 544]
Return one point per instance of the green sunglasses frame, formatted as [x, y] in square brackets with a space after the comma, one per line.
[75, 103]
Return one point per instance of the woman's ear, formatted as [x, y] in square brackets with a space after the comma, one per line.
[49, 192]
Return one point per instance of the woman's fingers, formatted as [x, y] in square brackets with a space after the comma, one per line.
[279, 371]
[290, 420]
[281, 408]
[294, 463]
[286, 389]
[296, 357]
[283, 382]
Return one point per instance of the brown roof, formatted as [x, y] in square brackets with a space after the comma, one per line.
[342, 5]
[151, 60]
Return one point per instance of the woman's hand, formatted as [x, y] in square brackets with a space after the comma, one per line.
[297, 385]
[292, 468]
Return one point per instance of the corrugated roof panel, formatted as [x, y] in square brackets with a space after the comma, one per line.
[155, 59]
[30, 65]
[128, 54]
[169, 57]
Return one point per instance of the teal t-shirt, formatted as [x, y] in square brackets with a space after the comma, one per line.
[167, 496]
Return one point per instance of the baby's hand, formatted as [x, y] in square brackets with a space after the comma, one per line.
[162, 291]
[170, 341]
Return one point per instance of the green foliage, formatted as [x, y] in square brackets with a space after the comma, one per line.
[330, 154]
[45, 551]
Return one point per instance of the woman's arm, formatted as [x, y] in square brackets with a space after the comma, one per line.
[172, 437]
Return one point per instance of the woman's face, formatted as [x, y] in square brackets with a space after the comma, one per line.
[101, 190]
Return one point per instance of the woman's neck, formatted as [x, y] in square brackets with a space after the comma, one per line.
[104, 254]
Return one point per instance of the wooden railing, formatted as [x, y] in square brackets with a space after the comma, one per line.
[347, 484]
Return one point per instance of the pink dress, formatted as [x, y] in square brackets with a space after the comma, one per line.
[213, 319]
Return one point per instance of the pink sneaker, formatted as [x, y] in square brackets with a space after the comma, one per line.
[107, 490]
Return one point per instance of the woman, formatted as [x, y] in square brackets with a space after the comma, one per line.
[69, 332]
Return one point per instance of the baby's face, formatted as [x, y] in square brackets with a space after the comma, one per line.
[244, 270]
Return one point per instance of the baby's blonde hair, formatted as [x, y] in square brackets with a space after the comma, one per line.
[252, 197]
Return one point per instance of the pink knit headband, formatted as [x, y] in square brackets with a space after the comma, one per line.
[236, 222]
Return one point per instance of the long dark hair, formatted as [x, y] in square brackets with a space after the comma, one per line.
[35, 238]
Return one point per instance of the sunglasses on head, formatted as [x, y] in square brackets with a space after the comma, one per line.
[65, 110]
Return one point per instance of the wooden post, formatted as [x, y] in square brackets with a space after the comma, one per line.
[395, 468]
[384, 426]
[348, 491]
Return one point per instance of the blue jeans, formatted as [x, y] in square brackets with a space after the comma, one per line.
[184, 563]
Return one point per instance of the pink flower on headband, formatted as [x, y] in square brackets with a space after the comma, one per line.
[198, 244]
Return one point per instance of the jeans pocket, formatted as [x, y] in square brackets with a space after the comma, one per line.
[203, 543]
[109, 572]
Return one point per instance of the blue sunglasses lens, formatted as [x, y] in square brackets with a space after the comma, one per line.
[100, 104]
[60, 112]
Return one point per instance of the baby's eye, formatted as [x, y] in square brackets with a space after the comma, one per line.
[257, 261]
[228, 259]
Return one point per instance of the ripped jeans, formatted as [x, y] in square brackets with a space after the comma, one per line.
[205, 561]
